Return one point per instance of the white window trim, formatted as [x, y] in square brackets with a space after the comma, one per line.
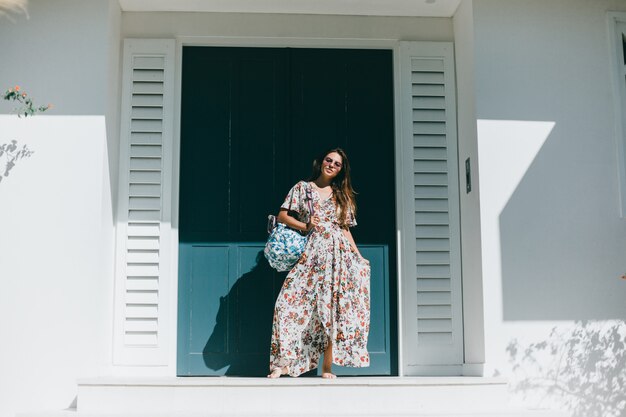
[616, 22]
[279, 42]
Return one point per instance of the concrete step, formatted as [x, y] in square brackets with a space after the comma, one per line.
[509, 412]
[347, 396]
[294, 397]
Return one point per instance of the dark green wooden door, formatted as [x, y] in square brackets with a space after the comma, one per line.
[252, 119]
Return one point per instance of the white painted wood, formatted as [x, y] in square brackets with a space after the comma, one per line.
[433, 332]
[617, 36]
[223, 396]
[142, 316]
[439, 8]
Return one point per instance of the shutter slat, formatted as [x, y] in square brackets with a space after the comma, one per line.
[148, 88]
[141, 112]
[425, 166]
[146, 100]
[433, 258]
[144, 203]
[429, 141]
[423, 77]
[142, 257]
[431, 179]
[145, 190]
[145, 164]
[142, 311]
[435, 338]
[143, 243]
[144, 215]
[142, 271]
[433, 271]
[434, 312]
[140, 338]
[142, 297]
[148, 126]
[427, 64]
[145, 284]
[428, 90]
[432, 245]
[429, 115]
[432, 231]
[439, 205]
[432, 154]
[430, 191]
[141, 325]
[441, 284]
[428, 102]
[429, 128]
[145, 151]
[434, 298]
[148, 75]
[148, 62]
[145, 177]
[144, 230]
[434, 325]
[145, 138]
[422, 218]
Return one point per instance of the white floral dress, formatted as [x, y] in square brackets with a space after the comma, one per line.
[325, 296]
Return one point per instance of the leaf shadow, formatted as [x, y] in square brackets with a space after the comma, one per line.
[10, 153]
[582, 367]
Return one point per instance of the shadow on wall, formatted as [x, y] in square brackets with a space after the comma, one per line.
[562, 242]
[10, 153]
[241, 337]
[582, 367]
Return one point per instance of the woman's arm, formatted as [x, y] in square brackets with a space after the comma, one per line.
[285, 218]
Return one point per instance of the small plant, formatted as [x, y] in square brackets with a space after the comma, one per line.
[26, 105]
[11, 152]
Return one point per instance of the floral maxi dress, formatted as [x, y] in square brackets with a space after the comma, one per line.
[325, 296]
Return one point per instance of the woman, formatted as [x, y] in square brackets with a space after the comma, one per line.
[324, 303]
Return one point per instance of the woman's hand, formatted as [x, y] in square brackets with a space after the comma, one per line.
[314, 221]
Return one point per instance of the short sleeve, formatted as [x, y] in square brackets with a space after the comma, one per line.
[295, 198]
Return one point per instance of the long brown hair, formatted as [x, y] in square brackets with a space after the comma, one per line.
[343, 192]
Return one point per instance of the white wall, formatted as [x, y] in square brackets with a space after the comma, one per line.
[554, 245]
[161, 24]
[56, 210]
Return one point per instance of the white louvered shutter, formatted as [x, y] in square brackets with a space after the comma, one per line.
[143, 225]
[434, 328]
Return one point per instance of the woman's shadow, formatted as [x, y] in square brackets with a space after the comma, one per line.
[242, 334]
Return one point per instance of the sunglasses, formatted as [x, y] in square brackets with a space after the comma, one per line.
[330, 161]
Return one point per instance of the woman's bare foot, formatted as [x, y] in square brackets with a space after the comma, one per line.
[328, 375]
[277, 372]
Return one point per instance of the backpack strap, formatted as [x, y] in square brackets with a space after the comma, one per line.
[309, 197]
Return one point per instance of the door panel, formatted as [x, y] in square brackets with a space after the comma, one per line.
[252, 120]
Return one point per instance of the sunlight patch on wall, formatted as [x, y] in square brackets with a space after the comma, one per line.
[506, 148]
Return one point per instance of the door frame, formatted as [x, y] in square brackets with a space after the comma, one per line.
[401, 162]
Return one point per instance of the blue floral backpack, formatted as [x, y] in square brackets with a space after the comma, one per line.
[285, 245]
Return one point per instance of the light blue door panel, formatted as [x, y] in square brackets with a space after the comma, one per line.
[225, 327]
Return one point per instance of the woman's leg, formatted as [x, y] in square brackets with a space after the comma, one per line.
[328, 361]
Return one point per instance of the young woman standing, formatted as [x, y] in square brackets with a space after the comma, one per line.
[324, 303]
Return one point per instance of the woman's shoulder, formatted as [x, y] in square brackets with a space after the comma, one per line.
[301, 184]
